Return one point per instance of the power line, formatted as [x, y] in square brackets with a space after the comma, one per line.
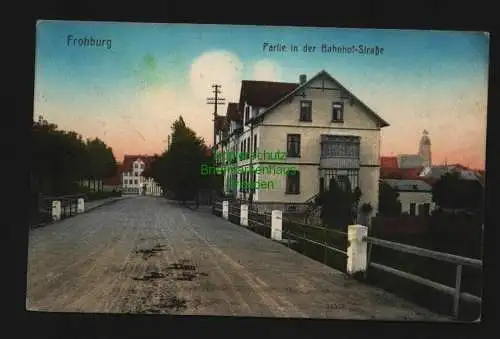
[216, 101]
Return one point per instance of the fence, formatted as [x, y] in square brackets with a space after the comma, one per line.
[56, 208]
[354, 245]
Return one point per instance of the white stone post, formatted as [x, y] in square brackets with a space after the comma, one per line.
[80, 205]
[225, 209]
[244, 215]
[357, 250]
[276, 225]
[56, 210]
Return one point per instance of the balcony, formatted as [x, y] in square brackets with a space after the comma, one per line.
[339, 151]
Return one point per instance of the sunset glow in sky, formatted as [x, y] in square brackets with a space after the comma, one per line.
[130, 93]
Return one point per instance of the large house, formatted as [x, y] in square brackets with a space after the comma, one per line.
[132, 180]
[313, 131]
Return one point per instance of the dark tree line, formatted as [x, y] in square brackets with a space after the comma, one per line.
[61, 160]
[178, 170]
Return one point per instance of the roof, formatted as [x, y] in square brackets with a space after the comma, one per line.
[409, 185]
[285, 96]
[389, 162]
[264, 93]
[128, 161]
[233, 112]
[434, 173]
[400, 173]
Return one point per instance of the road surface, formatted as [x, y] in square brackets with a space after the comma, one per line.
[144, 255]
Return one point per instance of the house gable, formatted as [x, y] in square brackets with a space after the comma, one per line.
[322, 90]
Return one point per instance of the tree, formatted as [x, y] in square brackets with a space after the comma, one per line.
[338, 204]
[178, 170]
[453, 192]
[388, 201]
[58, 158]
[101, 162]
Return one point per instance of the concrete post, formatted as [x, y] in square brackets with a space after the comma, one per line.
[244, 215]
[276, 225]
[80, 205]
[56, 210]
[357, 250]
[225, 209]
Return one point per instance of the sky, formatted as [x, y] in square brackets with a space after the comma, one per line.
[129, 90]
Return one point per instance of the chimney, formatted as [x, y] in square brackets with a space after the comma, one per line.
[302, 79]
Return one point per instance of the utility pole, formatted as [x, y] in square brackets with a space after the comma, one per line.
[215, 100]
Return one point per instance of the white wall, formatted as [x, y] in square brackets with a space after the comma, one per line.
[406, 198]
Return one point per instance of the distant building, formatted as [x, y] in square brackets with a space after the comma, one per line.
[132, 180]
[433, 173]
[421, 159]
[415, 196]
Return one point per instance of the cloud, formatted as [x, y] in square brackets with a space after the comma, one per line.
[216, 67]
[266, 70]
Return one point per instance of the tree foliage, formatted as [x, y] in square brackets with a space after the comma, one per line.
[452, 192]
[178, 170]
[339, 204]
[388, 201]
[60, 159]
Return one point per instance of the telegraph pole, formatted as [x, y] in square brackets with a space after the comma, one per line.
[215, 100]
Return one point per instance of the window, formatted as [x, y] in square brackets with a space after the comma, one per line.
[255, 143]
[293, 183]
[293, 145]
[136, 165]
[135, 181]
[130, 181]
[247, 114]
[340, 146]
[338, 111]
[305, 110]
[412, 208]
[142, 166]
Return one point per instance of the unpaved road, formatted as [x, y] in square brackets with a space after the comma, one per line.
[144, 255]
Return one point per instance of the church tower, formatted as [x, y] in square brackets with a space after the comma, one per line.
[424, 150]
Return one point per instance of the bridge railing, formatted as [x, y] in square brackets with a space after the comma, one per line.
[58, 207]
[458, 261]
[354, 245]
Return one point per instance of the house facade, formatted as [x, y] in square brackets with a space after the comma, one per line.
[132, 180]
[415, 196]
[299, 136]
